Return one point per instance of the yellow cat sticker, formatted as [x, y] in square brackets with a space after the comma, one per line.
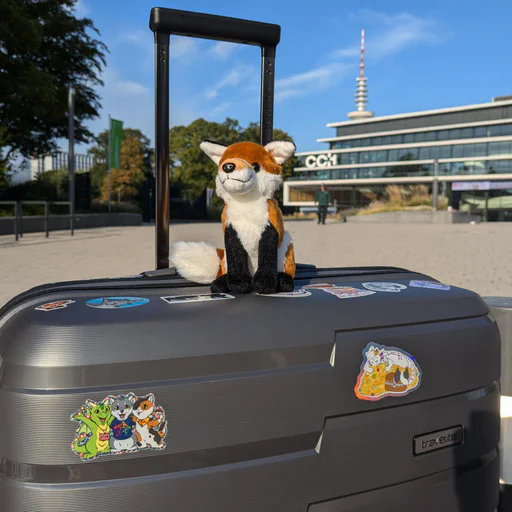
[386, 371]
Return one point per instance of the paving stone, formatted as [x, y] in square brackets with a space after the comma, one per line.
[478, 257]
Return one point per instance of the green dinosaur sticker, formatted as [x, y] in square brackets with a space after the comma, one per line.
[119, 424]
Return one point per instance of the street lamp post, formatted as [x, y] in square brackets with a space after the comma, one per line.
[109, 173]
[435, 185]
[71, 153]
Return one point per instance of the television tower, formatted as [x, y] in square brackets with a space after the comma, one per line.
[361, 95]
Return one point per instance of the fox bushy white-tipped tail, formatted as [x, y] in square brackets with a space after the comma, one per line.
[196, 261]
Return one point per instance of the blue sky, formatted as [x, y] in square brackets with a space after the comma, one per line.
[419, 55]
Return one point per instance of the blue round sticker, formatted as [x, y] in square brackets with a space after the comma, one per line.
[116, 302]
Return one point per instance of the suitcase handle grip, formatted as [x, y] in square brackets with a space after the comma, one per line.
[164, 22]
[209, 26]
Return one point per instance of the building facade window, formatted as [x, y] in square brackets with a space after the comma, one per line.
[501, 130]
[409, 170]
[491, 149]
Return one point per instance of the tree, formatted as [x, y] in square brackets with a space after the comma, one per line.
[100, 152]
[191, 169]
[58, 178]
[99, 170]
[125, 182]
[43, 49]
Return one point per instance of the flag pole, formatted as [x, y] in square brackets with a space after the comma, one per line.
[108, 166]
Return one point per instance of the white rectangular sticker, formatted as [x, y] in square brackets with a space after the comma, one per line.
[180, 299]
[429, 284]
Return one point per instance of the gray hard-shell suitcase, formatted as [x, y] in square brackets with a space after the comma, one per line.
[366, 389]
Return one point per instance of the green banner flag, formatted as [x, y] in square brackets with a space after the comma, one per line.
[115, 139]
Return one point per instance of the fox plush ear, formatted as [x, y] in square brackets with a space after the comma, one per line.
[281, 150]
[213, 149]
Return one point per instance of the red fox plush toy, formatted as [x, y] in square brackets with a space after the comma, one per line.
[258, 253]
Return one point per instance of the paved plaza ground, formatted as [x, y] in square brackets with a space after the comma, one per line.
[478, 257]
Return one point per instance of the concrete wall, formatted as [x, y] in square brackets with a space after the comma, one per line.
[35, 223]
[419, 217]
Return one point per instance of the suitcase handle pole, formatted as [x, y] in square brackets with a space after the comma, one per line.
[164, 22]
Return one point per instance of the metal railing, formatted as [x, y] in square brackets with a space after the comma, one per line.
[18, 215]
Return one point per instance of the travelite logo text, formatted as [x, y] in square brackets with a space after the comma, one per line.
[437, 440]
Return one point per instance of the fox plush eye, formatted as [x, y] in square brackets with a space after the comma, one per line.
[256, 166]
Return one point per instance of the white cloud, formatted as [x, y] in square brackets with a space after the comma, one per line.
[127, 100]
[133, 103]
[394, 33]
[232, 79]
[313, 81]
[137, 37]
[346, 52]
[183, 47]
[180, 47]
[222, 50]
[81, 9]
[217, 111]
[404, 31]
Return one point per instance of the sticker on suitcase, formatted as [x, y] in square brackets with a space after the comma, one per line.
[119, 424]
[342, 292]
[181, 299]
[52, 306]
[116, 302]
[294, 294]
[384, 287]
[386, 371]
[429, 284]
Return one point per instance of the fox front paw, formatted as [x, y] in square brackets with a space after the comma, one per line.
[265, 282]
[285, 282]
[220, 285]
[239, 284]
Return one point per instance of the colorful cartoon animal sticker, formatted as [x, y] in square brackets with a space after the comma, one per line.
[58, 304]
[119, 424]
[386, 371]
[340, 291]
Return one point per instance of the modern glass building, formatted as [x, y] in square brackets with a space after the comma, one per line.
[467, 150]
[463, 144]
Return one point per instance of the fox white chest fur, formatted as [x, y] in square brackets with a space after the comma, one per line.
[249, 219]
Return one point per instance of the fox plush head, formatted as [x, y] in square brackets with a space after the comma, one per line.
[248, 169]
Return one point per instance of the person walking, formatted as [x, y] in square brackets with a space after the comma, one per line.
[323, 200]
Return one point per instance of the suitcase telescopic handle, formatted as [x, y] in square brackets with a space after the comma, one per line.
[164, 22]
